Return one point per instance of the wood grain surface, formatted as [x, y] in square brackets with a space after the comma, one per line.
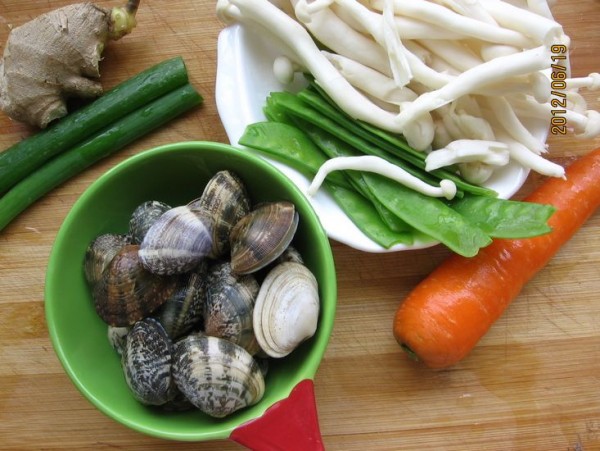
[533, 383]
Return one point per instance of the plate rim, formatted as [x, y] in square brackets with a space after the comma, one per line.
[230, 89]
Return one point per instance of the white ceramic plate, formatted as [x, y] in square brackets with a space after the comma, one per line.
[245, 79]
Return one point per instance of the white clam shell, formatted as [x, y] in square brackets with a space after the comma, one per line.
[286, 311]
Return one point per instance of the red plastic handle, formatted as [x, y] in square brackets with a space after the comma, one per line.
[290, 424]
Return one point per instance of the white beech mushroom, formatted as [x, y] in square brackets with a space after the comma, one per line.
[370, 81]
[541, 7]
[56, 55]
[443, 17]
[436, 71]
[327, 27]
[268, 17]
[468, 151]
[462, 125]
[591, 82]
[540, 28]
[468, 8]
[586, 124]
[508, 119]
[382, 29]
[369, 163]
[467, 82]
[407, 27]
[528, 159]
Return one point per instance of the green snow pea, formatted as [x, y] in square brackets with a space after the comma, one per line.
[505, 218]
[430, 215]
[295, 107]
[293, 147]
[289, 145]
[334, 147]
[364, 215]
[390, 142]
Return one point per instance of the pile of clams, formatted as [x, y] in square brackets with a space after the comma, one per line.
[198, 297]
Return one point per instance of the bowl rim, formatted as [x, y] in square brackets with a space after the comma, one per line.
[327, 316]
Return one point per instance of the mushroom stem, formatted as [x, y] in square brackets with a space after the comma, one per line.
[592, 82]
[272, 20]
[492, 71]
[446, 18]
[380, 166]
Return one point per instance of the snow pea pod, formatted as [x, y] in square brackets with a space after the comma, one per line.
[333, 147]
[430, 215]
[274, 113]
[498, 218]
[389, 142]
[322, 104]
[289, 145]
[295, 107]
[292, 146]
[364, 215]
[505, 218]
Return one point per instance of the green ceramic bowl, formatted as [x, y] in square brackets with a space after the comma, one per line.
[175, 174]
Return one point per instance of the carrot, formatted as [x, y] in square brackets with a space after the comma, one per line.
[446, 314]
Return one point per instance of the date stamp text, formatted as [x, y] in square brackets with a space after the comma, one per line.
[558, 84]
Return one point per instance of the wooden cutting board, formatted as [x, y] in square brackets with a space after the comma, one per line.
[533, 383]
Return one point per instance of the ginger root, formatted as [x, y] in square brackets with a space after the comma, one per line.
[56, 56]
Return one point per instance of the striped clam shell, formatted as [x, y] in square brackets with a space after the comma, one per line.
[217, 376]
[146, 363]
[225, 198]
[127, 292]
[229, 305]
[262, 235]
[183, 310]
[99, 254]
[177, 241]
[142, 218]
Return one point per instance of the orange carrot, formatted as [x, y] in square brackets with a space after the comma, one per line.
[446, 314]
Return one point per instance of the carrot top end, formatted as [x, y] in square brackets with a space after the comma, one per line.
[413, 356]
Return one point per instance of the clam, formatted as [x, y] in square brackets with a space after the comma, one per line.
[262, 235]
[217, 376]
[291, 254]
[183, 310]
[143, 217]
[99, 254]
[117, 337]
[146, 362]
[229, 304]
[263, 364]
[226, 200]
[127, 292]
[179, 403]
[177, 241]
[286, 311]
